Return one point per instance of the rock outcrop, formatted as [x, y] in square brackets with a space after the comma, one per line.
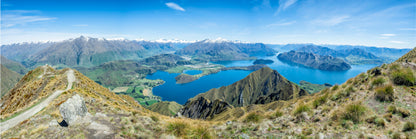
[315, 61]
[203, 108]
[73, 108]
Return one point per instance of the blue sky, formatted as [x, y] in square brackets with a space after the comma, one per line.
[382, 23]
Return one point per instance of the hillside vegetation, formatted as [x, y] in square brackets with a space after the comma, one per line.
[379, 103]
[8, 79]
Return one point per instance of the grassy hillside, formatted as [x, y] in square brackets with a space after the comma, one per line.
[408, 57]
[168, 108]
[13, 65]
[8, 79]
[379, 103]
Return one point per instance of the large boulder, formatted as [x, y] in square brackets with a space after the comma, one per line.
[73, 108]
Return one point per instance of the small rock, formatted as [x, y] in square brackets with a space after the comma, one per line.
[321, 136]
[53, 123]
[244, 136]
[229, 122]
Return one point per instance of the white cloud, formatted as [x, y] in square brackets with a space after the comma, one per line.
[332, 21]
[398, 42]
[175, 6]
[388, 35]
[284, 4]
[280, 24]
[12, 18]
[80, 25]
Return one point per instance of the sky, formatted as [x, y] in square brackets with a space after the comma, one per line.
[381, 23]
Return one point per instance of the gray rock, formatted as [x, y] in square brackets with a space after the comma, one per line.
[53, 123]
[244, 136]
[73, 108]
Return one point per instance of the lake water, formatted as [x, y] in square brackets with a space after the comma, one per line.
[170, 91]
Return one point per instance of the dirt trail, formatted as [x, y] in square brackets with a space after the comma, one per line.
[29, 113]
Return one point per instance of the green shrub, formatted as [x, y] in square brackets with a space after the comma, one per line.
[391, 109]
[403, 77]
[400, 111]
[277, 114]
[378, 81]
[301, 108]
[408, 126]
[335, 87]
[380, 122]
[253, 117]
[403, 112]
[394, 66]
[396, 136]
[177, 128]
[201, 133]
[154, 118]
[385, 93]
[354, 112]
[319, 101]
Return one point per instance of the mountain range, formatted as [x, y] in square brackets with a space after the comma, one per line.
[225, 50]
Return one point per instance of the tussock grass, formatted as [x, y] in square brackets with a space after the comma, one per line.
[301, 108]
[378, 81]
[408, 126]
[177, 128]
[276, 114]
[354, 112]
[403, 77]
[320, 100]
[253, 118]
[385, 93]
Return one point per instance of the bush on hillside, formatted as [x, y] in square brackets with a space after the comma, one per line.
[253, 117]
[408, 126]
[403, 77]
[378, 81]
[354, 112]
[385, 93]
[319, 101]
[301, 108]
[177, 128]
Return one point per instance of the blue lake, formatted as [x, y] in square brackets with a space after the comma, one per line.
[170, 91]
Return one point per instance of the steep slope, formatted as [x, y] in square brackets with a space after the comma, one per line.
[315, 61]
[104, 114]
[8, 79]
[259, 87]
[21, 51]
[225, 50]
[371, 105]
[168, 108]
[13, 65]
[408, 57]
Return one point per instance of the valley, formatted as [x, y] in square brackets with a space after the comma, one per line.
[168, 88]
